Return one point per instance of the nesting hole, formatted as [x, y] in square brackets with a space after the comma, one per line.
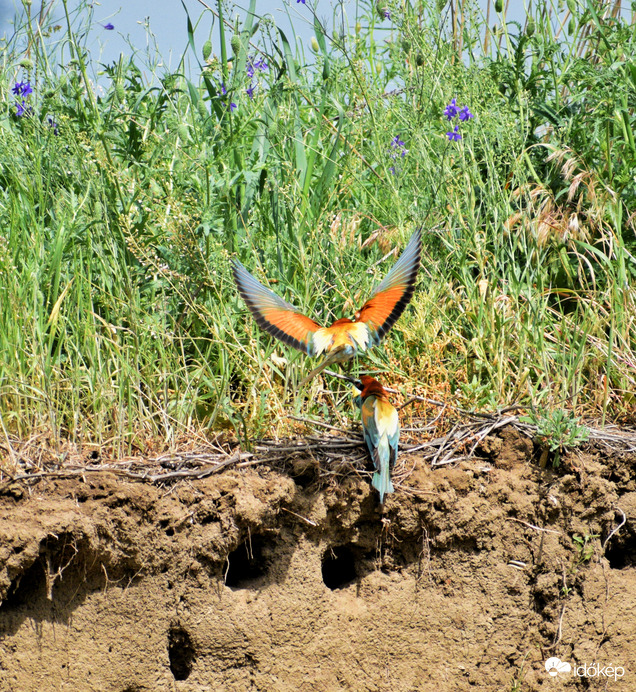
[339, 567]
[180, 652]
[621, 550]
[58, 553]
[305, 471]
[246, 564]
[25, 588]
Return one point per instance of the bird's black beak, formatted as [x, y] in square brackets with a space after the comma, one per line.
[353, 381]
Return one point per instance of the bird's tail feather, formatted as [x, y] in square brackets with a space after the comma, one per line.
[382, 482]
[313, 373]
[333, 356]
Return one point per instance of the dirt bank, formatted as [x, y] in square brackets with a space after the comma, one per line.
[275, 578]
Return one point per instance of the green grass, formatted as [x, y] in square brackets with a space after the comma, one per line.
[119, 321]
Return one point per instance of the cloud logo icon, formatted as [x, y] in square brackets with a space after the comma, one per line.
[555, 665]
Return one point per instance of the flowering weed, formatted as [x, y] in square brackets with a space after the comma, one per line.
[452, 111]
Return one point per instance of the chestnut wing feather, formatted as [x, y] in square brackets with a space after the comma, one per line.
[273, 314]
[393, 294]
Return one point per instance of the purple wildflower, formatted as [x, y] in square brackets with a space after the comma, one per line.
[397, 148]
[451, 110]
[21, 109]
[108, 27]
[303, 1]
[22, 88]
[232, 106]
[387, 14]
[53, 125]
[454, 135]
[252, 65]
[465, 114]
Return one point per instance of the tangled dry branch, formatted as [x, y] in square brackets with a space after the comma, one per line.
[335, 453]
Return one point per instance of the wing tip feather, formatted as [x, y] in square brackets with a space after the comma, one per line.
[243, 278]
[412, 258]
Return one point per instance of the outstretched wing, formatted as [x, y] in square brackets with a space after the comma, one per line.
[273, 314]
[389, 299]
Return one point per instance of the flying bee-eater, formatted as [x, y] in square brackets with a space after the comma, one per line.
[381, 431]
[346, 337]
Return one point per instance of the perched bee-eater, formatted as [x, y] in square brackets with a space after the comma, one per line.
[345, 337]
[381, 431]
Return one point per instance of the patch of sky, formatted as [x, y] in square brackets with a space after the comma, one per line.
[154, 32]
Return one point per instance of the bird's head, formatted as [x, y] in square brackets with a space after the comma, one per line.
[342, 321]
[369, 386]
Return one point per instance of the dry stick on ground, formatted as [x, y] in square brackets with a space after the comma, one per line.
[153, 478]
[319, 423]
[532, 526]
[616, 529]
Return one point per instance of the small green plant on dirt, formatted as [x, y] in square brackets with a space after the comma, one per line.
[584, 549]
[516, 684]
[557, 431]
[481, 395]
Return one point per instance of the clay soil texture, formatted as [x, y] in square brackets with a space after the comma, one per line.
[278, 576]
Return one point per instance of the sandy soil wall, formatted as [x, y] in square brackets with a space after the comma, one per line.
[470, 578]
